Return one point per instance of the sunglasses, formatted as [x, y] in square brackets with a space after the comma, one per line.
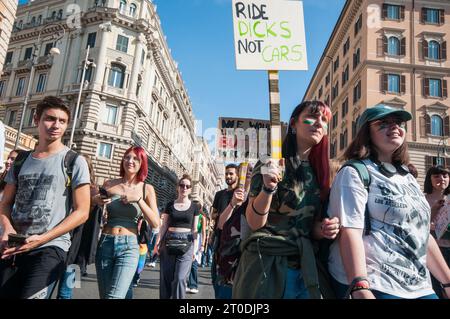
[386, 123]
[184, 186]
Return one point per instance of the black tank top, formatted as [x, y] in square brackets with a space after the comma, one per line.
[184, 218]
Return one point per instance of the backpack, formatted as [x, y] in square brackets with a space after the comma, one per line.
[364, 174]
[323, 245]
[69, 163]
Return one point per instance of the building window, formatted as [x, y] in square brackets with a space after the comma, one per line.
[9, 56]
[343, 140]
[336, 64]
[393, 83]
[357, 92]
[432, 16]
[20, 86]
[30, 117]
[39, 20]
[91, 39]
[105, 150]
[2, 87]
[88, 74]
[345, 76]
[11, 121]
[42, 80]
[48, 47]
[320, 92]
[433, 50]
[122, 43]
[111, 114]
[334, 122]
[133, 9]
[437, 125]
[116, 76]
[28, 53]
[435, 87]
[358, 25]
[346, 46]
[356, 58]
[393, 46]
[391, 12]
[60, 14]
[123, 6]
[344, 108]
[327, 79]
[33, 21]
[354, 124]
[335, 91]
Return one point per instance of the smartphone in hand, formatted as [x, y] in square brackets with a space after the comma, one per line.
[103, 193]
[15, 240]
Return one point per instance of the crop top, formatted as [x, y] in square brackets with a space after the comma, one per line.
[123, 215]
[182, 218]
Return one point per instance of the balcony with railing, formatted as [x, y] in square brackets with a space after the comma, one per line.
[26, 142]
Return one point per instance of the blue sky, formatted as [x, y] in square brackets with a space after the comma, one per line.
[200, 35]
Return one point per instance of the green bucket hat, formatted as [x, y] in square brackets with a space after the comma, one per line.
[380, 111]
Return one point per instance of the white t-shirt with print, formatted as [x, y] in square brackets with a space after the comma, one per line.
[400, 219]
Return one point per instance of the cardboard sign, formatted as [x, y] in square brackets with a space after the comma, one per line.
[269, 35]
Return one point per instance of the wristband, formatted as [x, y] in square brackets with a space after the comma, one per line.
[358, 282]
[447, 285]
[256, 212]
[269, 191]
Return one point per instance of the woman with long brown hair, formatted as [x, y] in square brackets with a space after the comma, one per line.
[384, 249]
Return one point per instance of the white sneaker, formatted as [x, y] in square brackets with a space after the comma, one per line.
[194, 291]
[152, 264]
[188, 290]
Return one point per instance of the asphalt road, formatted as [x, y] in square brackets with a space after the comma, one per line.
[148, 286]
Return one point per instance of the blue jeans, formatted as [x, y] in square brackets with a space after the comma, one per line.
[193, 276]
[295, 286]
[67, 283]
[116, 263]
[151, 245]
[224, 292]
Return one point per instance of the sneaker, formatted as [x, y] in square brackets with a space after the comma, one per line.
[152, 264]
[194, 291]
[188, 289]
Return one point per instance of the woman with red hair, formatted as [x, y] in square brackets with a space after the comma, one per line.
[127, 199]
[285, 213]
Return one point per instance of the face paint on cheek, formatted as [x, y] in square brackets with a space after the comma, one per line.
[309, 121]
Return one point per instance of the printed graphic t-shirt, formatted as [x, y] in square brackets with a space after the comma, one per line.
[42, 198]
[400, 219]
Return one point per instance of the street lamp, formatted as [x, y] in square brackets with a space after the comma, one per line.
[86, 66]
[56, 36]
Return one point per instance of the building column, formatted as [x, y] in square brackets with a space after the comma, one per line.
[136, 67]
[101, 58]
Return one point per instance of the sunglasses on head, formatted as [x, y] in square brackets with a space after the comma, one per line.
[184, 186]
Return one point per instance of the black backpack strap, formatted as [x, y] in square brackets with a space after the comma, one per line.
[69, 163]
[18, 163]
[364, 174]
